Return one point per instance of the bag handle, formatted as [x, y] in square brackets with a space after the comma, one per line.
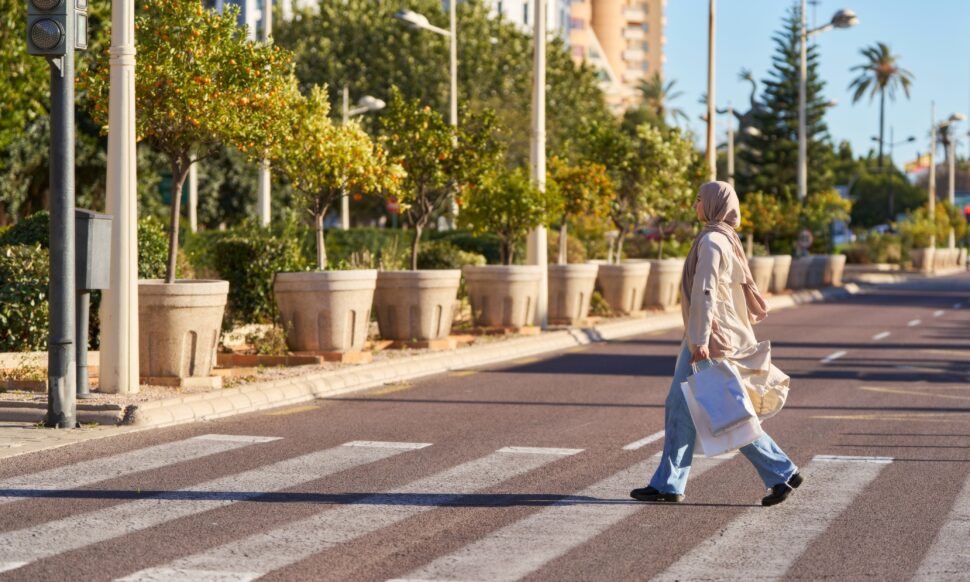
[708, 363]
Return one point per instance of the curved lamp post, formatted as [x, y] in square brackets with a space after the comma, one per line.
[842, 19]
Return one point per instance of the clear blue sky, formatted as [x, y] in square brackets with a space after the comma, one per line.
[930, 36]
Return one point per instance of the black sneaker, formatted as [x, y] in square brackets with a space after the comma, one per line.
[795, 480]
[651, 494]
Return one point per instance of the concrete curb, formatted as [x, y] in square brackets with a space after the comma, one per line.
[325, 384]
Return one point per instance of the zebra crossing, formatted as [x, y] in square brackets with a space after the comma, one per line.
[521, 548]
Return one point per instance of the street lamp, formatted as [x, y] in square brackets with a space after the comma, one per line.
[420, 22]
[536, 247]
[842, 19]
[931, 205]
[366, 104]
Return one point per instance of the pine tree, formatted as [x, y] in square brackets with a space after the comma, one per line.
[771, 158]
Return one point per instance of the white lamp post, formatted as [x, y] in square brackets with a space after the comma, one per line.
[842, 19]
[263, 190]
[931, 203]
[536, 249]
[364, 105]
[711, 153]
[119, 307]
[420, 21]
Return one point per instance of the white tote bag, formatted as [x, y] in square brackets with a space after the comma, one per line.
[735, 437]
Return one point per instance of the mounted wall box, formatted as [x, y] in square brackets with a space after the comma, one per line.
[92, 233]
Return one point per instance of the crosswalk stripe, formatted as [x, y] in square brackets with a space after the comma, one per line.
[948, 558]
[88, 472]
[830, 486]
[635, 445]
[523, 547]
[79, 530]
[260, 554]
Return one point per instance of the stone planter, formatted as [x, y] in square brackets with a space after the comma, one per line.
[816, 272]
[623, 285]
[663, 284]
[325, 311]
[834, 267]
[762, 270]
[962, 261]
[923, 259]
[570, 289]
[416, 305]
[779, 273]
[798, 273]
[503, 296]
[179, 327]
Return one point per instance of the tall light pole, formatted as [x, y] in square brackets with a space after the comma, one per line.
[537, 249]
[420, 21]
[263, 193]
[730, 145]
[365, 105]
[842, 19]
[935, 126]
[711, 153]
[119, 306]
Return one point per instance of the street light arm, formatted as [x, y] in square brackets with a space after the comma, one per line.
[820, 29]
[419, 21]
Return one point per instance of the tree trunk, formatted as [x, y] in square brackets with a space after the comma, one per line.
[179, 171]
[414, 246]
[321, 245]
[618, 255]
[882, 121]
[508, 253]
[749, 246]
[563, 236]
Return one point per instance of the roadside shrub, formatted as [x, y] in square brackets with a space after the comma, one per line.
[152, 248]
[343, 244]
[441, 254]
[575, 249]
[643, 248]
[249, 259]
[23, 298]
[32, 230]
[486, 245]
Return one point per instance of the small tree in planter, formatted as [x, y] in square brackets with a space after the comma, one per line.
[200, 84]
[582, 189]
[439, 159]
[324, 160]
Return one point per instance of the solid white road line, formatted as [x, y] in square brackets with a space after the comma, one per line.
[832, 357]
[948, 558]
[799, 520]
[523, 547]
[881, 335]
[77, 531]
[938, 313]
[260, 554]
[95, 470]
[914, 322]
[644, 441]
[852, 459]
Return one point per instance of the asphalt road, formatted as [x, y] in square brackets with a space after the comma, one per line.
[522, 472]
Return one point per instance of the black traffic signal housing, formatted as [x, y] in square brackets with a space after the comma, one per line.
[54, 25]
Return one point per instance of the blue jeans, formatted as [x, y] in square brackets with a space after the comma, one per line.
[772, 464]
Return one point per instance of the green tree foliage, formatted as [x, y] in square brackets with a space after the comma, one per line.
[324, 161]
[508, 204]
[23, 298]
[767, 218]
[819, 211]
[581, 189]
[770, 160]
[872, 193]
[360, 44]
[201, 85]
[438, 159]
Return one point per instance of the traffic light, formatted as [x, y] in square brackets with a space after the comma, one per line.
[55, 25]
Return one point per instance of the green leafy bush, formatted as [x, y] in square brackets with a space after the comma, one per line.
[152, 248]
[487, 245]
[441, 254]
[249, 259]
[33, 230]
[23, 298]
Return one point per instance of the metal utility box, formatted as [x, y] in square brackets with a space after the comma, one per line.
[92, 233]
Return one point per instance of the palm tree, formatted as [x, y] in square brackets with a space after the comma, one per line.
[880, 74]
[656, 94]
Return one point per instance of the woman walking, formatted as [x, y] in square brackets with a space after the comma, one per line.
[720, 304]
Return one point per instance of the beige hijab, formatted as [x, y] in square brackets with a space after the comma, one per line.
[721, 212]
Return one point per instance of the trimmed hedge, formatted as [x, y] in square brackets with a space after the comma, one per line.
[32, 230]
[23, 298]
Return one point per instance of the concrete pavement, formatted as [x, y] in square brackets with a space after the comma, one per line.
[521, 471]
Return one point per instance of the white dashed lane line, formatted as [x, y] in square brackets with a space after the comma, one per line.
[832, 357]
[914, 323]
[938, 313]
[881, 335]
[644, 441]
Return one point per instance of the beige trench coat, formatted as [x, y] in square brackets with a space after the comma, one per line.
[718, 318]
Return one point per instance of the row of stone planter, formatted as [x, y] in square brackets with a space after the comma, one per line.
[931, 259]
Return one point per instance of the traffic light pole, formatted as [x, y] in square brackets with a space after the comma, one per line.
[61, 377]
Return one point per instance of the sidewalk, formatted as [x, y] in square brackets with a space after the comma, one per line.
[19, 433]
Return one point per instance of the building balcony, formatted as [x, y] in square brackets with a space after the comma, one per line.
[632, 75]
[634, 33]
[632, 14]
[634, 55]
